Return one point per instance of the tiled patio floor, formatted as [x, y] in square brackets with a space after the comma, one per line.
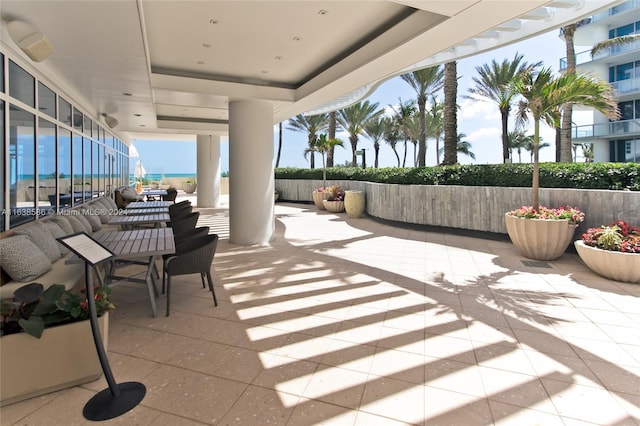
[352, 322]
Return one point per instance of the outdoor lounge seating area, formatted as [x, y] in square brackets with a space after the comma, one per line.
[359, 322]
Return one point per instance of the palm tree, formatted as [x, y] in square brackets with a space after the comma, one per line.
[492, 85]
[412, 127]
[435, 125]
[391, 135]
[518, 140]
[403, 113]
[543, 94]
[530, 147]
[312, 125]
[450, 113]
[587, 151]
[614, 42]
[425, 82]
[375, 130]
[463, 147]
[353, 119]
[567, 110]
[323, 146]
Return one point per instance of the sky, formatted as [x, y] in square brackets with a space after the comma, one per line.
[479, 121]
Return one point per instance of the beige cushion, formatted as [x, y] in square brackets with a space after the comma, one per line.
[92, 216]
[63, 223]
[42, 238]
[22, 259]
[77, 225]
[85, 223]
[56, 232]
[110, 203]
[129, 194]
[102, 207]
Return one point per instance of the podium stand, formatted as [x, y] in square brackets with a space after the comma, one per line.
[118, 398]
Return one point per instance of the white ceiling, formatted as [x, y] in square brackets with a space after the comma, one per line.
[171, 67]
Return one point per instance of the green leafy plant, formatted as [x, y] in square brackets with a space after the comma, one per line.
[33, 308]
[618, 236]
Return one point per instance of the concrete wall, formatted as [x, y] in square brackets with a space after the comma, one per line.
[479, 208]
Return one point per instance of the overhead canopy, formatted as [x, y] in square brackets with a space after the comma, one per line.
[173, 66]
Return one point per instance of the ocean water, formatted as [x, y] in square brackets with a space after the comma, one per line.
[158, 176]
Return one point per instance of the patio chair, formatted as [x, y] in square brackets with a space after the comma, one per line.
[184, 223]
[178, 206]
[191, 233]
[194, 256]
[172, 193]
[177, 214]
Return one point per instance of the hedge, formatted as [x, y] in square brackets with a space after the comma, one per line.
[616, 176]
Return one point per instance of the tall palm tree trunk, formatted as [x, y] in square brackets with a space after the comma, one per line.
[279, 144]
[504, 116]
[567, 109]
[354, 147]
[536, 167]
[404, 159]
[422, 137]
[332, 135]
[450, 114]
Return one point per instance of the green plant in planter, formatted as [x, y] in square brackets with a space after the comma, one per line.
[33, 308]
[323, 145]
[543, 95]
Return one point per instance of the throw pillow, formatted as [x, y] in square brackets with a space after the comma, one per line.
[92, 216]
[63, 223]
[129, 194]
[110, 203]
[21, 259]
[39, 236]
[56, 232]
[102, 208]
[77, 225]
[84, 222]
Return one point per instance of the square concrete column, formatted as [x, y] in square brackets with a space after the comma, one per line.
[251, 180]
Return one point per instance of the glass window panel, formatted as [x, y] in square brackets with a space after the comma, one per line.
[21, 85]
[77, 119]
[46, 164]
[21, 166]
[86, 162]
[625, 30]
[612, 74]
[88, 126]
[624, 71]
[637, 108]
[64, 109]
[95, 129]
[3, 150]
[626, 110]
[46, 100]
[1, 78]
[64, 166]
[95, 167]
[78, 184]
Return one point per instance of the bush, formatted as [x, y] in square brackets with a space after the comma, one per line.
[616, 176]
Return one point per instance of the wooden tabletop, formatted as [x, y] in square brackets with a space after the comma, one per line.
[150, 210]
[138, 242]
[143, 219]
[147, 204]
[154, 192]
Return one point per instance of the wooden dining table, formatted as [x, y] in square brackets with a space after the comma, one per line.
[138, 245]
[150, 210]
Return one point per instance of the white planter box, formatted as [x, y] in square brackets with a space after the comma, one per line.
[64, 356]
[614, 265]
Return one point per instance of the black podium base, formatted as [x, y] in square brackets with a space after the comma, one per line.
[105, 406]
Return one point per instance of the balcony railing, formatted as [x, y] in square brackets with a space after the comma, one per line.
[623, 7]
[626, 87]
[584, 57]
[615, 129]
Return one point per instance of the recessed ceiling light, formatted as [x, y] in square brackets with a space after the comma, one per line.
[264, 72]
[200, 63]
[127, 94]
[322, 12]
[214, 21]
[143, 125]
[296, 38]
[137, 115]
[206, 45]
[278, 58]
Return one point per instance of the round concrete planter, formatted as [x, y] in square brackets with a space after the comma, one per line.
[614, 265]
[189, 188]
[354, 203]
[319, 197]
[333, 206]
[540, 239]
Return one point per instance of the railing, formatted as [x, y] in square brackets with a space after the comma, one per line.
[584, 57]
[624, 7]
[606, 130]
[625, 87]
